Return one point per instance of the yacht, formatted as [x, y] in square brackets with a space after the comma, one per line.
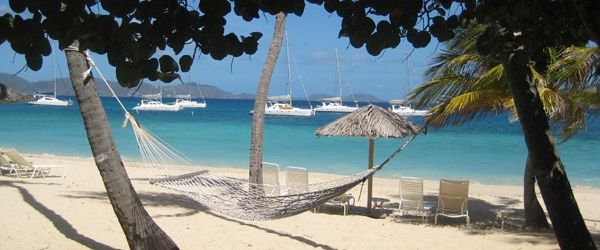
[282, 105]
[401, 108]
[49, 100]
[335, 104]
[154, 103]
[185, 101]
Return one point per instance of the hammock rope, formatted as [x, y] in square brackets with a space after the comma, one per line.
[231, 196]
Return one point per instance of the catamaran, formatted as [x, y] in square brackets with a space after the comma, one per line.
[154, 102]
[50, 99]
[335, 104]
[282, 105]
[185, 101]
[402, 108]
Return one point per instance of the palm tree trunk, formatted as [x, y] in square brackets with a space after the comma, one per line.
[568, 224]
[139, 228]
[534, 214]
[258, 116]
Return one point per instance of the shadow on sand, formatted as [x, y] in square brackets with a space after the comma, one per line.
[152, 199]
[59, 222]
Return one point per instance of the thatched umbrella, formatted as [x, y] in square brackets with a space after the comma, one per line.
[372, 122]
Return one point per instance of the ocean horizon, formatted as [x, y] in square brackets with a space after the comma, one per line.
[489, 151]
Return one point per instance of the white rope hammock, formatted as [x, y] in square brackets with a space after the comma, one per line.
[227, 195]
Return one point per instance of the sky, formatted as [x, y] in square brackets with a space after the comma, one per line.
[312, 42]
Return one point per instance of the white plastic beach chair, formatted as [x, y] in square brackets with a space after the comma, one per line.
[296, 180]
[411, 198]
[453, 200]
[5, 165]
[270, 178]
[21, 165]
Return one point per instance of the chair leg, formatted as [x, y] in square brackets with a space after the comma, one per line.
[435, 219]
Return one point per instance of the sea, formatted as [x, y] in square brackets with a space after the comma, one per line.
[489, 150]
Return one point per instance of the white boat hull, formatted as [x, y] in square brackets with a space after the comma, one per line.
[407, 111]
[50, 101]
[156, 106]
[290, 112]
[285, 109]
[190, 104]
[335, 108]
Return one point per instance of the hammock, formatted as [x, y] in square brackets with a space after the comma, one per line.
[227, 195]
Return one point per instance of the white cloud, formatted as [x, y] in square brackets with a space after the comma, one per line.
[320, 55]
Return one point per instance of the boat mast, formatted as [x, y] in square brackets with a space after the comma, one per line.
[54, 72]
[287, 51]
[339, 76]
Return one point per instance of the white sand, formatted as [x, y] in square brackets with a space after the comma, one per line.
[74, 213]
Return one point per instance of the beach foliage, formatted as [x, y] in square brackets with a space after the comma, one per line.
[517, 33]
[466, 85]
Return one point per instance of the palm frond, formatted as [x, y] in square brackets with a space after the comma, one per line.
[443, 87]
[492, 78]
[576, 68]
[467, 106]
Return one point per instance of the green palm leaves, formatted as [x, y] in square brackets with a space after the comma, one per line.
[465, 85]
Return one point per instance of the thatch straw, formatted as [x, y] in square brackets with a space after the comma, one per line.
[370, 121]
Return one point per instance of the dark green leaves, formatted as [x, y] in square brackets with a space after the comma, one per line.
[34, 60]
[419, 39]
[168, 64]
[128, 75]
[186, 63]
[17, 5]
[215, 7]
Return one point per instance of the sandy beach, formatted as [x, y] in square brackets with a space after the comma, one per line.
[74, 213]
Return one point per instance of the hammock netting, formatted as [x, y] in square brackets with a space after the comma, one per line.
[231, 196]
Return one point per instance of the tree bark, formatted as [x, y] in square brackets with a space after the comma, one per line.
[588, 13]
[258, 115]
[534, 214]
[568, 224]
[139, 228]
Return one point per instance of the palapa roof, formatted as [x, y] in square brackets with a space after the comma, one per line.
[370, 121]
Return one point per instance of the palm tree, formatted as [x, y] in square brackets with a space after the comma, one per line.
[258, 116]
[466, 86]
[139, 228]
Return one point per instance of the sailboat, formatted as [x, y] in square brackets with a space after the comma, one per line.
[402, 107]
[154, 102]
[47, 99]
[282, 105]
[335, 104]
[185, 101]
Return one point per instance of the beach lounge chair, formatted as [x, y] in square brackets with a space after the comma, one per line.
[5, 165]
[453, 200]
[21, 166]
[270, 178]
[411, 198]
[296, 180]
[346, 201]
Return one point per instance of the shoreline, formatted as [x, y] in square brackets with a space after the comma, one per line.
[74, 213]
[504, 182]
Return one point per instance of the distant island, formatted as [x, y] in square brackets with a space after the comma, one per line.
[64, 88]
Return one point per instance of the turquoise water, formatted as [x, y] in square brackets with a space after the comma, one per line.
[486, 151]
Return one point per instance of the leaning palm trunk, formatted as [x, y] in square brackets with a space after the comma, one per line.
[139, 228]
[568, 224]
[534, 214]
[258, 116]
